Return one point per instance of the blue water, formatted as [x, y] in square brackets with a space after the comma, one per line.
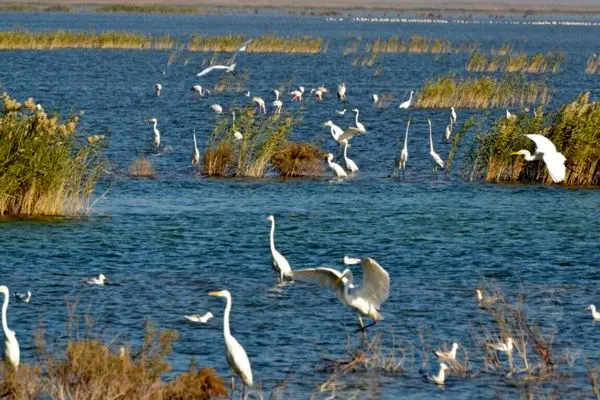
[166, 242]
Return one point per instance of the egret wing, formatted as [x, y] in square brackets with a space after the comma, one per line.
[326, 277]
[542, 144]
[555, 163]
[349, 133]
[375, 285]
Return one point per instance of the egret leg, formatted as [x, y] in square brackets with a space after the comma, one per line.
[232, 384]
[244, 394]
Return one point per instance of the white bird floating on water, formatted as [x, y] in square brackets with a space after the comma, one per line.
[259, 105]
[447, 355]
[406, 103]
[11, 352]
[350, 165]
[297, 94]
[437, 160]
[280, 263]
[216, 108]
[158, 88]
[366, 299]
[595, 314]
[341, 91]
[196, 153]
[546, 151]
[100, 280]
[226, 68]
[234, 352]
[336, 168]
[341, 112]
[199, 90]
[23, 297]
[440, 378]
[199, 318]
[156, 132]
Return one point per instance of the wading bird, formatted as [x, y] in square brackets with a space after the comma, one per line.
[341, 112]
[336, 131]
[100, 280]
[277, 105]
[360, 127]
[199, 90]
[404, 153]
[366, 299]
[156, 132]
[437, 161]
[406, 103]
[11, 353]
[440, 378]
[503, 347]
[259, 105]
[280, 264]
[350, 165]
[453, 114]
[237, 135]
[448, 130]
[546, 151]
[341, 91]
[375, 98]
[226, 68]
[23, 297]
[336, 168]
[508, 114]
[196, 153]
[158, 88]
[234, 352]
[485, 301]
[216, 108]
[297, 94]
[447, 355]
[595, 314]
[199, 318]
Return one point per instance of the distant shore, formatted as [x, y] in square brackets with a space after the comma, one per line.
[310, 7]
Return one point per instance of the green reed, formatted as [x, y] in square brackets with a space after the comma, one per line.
[416, 44]
[515, 62]
[260, 44]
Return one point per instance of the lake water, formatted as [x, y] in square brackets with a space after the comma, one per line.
[166, 242]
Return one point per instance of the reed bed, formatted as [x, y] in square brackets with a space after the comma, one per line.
[27, 7]
[592, 65]
[261, 44]
[366, 61]
[516, 62]
[416, 44]
[352, 47]
[574, 129]
[149, 9]
[484, 92]
[45, 170]
[24, 40]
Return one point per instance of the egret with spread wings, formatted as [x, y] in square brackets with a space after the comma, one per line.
[226, 68]
[545, 150]
[366, 299]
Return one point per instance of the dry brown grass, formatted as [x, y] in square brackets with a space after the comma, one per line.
[298, 159]
[141, 167]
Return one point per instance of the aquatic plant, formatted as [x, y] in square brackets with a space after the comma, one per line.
[416, 44]
[298, 159]
[574, 129]
[141, 167]
[515, 62]
[483, 92]
[260, 44]
[592, 65]
[352, 46]
[150, 9]
[45, 170]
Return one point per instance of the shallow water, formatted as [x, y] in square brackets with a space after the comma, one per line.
[166, 242]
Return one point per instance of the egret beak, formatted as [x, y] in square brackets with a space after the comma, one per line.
[515, 153]
[216, 294]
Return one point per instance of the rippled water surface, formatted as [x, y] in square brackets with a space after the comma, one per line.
[166, 242]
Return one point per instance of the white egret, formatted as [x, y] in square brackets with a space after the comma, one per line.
[595, 314]
[277, 104]
[375, 98]
[503, 347]
[359, 126]
[276, 93]
[156, 132]
[23, 297]
[336, 131]
[440, 378]
[11, 353]
[237, 135]
[226, 68]
[196, 154]
[259, 105]
[243, 47]
[342, 112]
[341, 91]
[448, 130]
[280, 263]
[406, 103]
[447, 355]
[247, 93]
[366, 299]
[453, 114]
[485, 301]
[100, 280]
[351, 260]
[234, 352]
[437, 161]
[336, 168]
[158, 88]
[350, 165]
[199, 318]
[216, 108]
[199, 90]
[404, 152]
[323, 89]
[546, 151]
[508, 114]
[297, 94]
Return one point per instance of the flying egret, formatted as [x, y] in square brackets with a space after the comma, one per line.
[595, 314]
[196, 154]
[297, 94]
[226, 68]
[447, 355]
[100, 280]
[158, 88]
[359, 126]
[156, 132]
[11, 353]
[440, 378]
[404, 153]
[453, 113]
[546, 151]
[280, 263]
[259, 105]
[243, 47]
[234, 352]
[437, 161]
[237, 135]
[341, 136]
[23, 297]
[406, 103]
[350, 165]
[199, 90]
[341, 91]
[216, 108]
[375, 98]
[342, 112]
[366, 299]
[448, 130]
[336, 168]
[199, 318]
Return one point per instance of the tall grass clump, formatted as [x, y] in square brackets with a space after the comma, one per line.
[416, 44]
[593, 65]
[149, 9]
[574, 129]
[44, 169]
[260, 44]
[515, 62]
[24, 40]
[265, 146]
[483, 92]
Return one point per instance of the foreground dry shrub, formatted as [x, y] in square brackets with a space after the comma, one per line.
[196, 385]
[141, 168]
[298, 159]
[218, 160]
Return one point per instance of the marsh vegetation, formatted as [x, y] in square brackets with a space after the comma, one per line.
[515, 62]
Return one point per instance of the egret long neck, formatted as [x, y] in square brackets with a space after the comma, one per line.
[406, 136]
[272, 238]
[4, 309]
[195, 144]
[356, 118]
[430, 139]
[346, 150]
[410, 97]
[226, 331]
